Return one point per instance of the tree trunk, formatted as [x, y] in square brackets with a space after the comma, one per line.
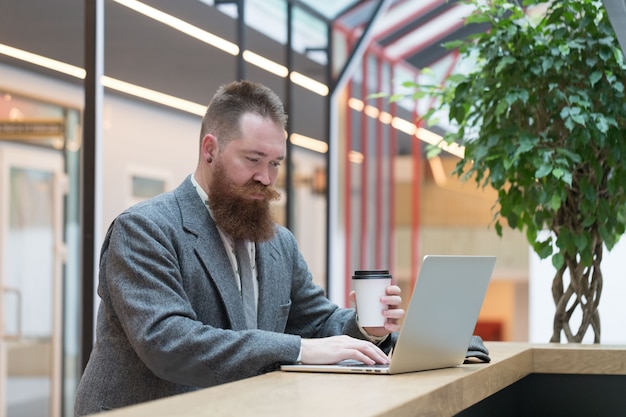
[583, 291]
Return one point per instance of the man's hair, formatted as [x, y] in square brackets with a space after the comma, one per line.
[232, 101]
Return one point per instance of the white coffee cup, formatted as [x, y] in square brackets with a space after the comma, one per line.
[369, 286]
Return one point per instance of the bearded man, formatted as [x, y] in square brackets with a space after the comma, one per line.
[199, 286]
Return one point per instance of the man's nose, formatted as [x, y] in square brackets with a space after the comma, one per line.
[263, 177]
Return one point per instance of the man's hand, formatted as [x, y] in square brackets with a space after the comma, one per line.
[393, 314]
[337, 348]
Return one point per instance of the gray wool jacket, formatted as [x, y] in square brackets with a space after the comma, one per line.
[171, 316]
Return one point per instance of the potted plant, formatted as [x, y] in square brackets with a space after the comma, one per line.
[542, 115]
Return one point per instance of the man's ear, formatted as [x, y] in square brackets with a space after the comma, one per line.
[209, 148]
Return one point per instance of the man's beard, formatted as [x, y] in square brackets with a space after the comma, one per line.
[238, 215]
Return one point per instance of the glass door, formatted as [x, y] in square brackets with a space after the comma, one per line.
[32, 183]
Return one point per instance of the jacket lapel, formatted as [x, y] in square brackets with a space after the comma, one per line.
[210, 251]
[266, 258]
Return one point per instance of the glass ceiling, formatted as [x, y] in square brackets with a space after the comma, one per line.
[310, 30]
[328, 8]
[409, 31]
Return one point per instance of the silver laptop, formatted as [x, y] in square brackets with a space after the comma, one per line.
[440, 319]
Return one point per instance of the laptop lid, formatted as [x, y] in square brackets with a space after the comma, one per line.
[442, 313]
[440, 318]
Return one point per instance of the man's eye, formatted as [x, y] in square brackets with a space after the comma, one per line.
[275, 164]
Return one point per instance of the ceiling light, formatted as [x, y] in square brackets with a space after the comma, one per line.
[309, 83]
[153, 95]
[435, 139]
[266, 64]
[42, 61]
[355, 157]
[403, 125]
[309, 143]
[371, 111]
[385, 117]
[356, 104]
[181, 25]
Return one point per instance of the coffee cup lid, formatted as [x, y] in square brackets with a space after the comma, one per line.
[371, 273]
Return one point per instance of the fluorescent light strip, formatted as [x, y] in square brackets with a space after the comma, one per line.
[404, 126]
[385, 117]
[309, 83]
[434, 139]
[355, 157]
[181, 25]
[42, 61]
[371, 111]
[407, 127]
[308, 143]
[266, 64]
[153, 95]
[356, 104]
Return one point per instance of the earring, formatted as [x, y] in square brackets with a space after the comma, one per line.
[209, 159]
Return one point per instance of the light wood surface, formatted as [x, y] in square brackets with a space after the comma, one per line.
[443, 392]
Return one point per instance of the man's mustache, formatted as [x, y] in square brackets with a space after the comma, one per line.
[253, 188]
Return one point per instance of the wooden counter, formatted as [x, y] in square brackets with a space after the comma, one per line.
[443, 392]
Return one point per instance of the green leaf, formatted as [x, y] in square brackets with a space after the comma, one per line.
[586, 258]
[580, 119]
[525, 145]
[503, 63]
[555, 202]
[595, 77]
[477, 18]
[501, 107]
[602, 124]
[498, 227]
[573, 156]
[547, 64]
[558, 260]
[588, 221]
[458, 114]
[433, 151]
[581, 242]
[378, 95]
[543, 249]
[455, 44]
[543, 171]
[396, 97]
[567, 178]
[524, 96]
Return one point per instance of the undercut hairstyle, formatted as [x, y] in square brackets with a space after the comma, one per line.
[232, 101]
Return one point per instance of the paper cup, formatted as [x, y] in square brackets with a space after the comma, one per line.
[369, 286]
